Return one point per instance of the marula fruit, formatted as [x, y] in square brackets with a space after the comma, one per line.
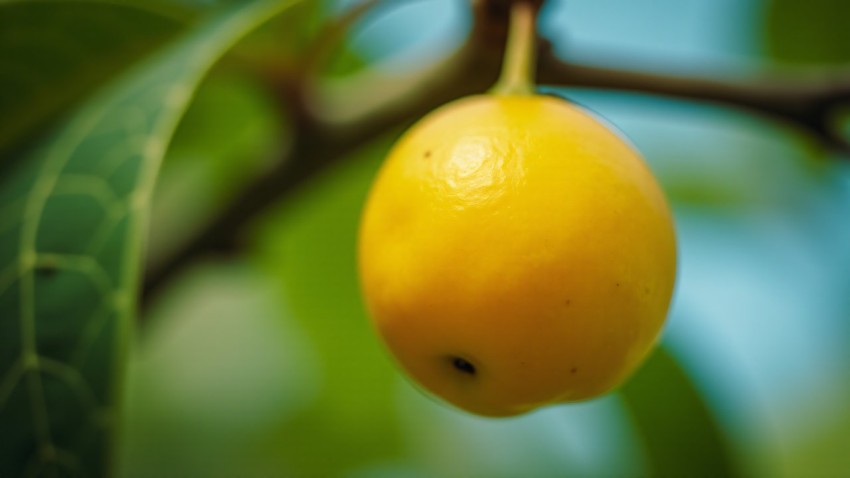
[515, 252]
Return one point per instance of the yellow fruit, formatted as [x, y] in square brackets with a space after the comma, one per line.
[515, 252]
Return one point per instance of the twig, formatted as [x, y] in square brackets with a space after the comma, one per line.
[805, 99]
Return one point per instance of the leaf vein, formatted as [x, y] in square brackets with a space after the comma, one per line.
[10, 380]
[86, 265]
[72, 377]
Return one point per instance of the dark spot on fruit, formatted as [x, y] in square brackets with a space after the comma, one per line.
[618, 284]
[428, 153]
[574, 370]
[567, 302]
[463, 365]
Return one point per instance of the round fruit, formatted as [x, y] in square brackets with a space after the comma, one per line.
[515, 252]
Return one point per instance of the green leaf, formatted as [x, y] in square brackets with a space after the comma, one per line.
[679, 432]
[814, 31]
[310, 247]
[53, 53]
[72, 218]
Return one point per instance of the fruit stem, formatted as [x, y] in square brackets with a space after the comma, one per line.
[517, 76]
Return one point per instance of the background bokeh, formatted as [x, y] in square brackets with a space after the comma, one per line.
[265, 365]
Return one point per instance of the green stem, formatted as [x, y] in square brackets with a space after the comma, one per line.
[517, 77]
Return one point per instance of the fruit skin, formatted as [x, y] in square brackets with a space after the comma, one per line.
[523, 236]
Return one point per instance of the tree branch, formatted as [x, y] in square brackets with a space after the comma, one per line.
[334, 118]
[808, 100]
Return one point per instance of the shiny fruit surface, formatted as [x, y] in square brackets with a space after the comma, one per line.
[514, 252]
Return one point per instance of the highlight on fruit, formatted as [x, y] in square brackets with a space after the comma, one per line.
[514, 251]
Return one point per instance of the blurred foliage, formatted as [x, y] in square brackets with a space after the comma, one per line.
[55, 53]
[310, 248]
[678, 430]
[810, 32]
[280, 44]
[221, 370]
[267, 365]
[213, 157]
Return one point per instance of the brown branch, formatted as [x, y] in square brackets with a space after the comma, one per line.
[809, 100]
[332, 119]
